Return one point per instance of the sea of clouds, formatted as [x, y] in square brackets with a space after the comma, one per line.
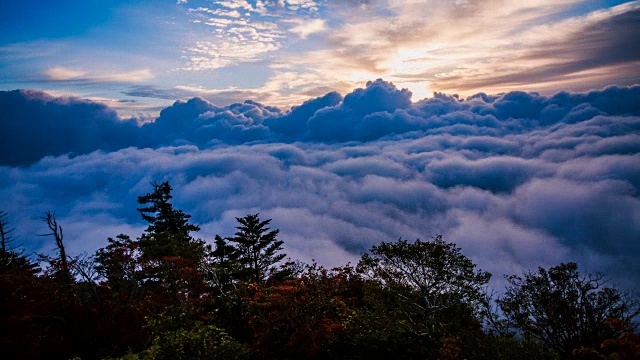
[517, 180]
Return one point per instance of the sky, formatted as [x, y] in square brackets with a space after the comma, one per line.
[140, 56]
[511, 129]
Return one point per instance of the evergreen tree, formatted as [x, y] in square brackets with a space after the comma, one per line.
[168, 233]
[10, 258]
[253, 253]
[5, 232]
[170, 256]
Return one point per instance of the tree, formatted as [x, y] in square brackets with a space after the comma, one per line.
[10, 258]
[60, 266]
[253, 253]
[303, 318]
[168, 233]
[170, 257]
[435, 270]
[119, 263]
[564, 308]
[430, 291]
[5, 231]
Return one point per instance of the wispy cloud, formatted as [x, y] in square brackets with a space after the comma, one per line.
[245, 32]
[238, 35]
[291, 50]
[66, 74]
[303, 28]
[468, 47]
[62, 74]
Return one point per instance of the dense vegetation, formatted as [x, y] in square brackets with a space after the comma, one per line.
[169, 295]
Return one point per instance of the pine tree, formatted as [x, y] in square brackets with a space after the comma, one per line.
[10, 258]
[168, 233]
[253, 253]
[169, 255]
[5, 231]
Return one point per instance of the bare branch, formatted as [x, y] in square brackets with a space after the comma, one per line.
[56, 232]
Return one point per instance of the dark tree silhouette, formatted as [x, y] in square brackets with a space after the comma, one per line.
[5, 231]
[426, 297]
[564, 308]
[435, 270]
[253, 253]
[60, 265]
[169, 255]
[168, 233]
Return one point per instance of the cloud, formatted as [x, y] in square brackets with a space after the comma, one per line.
[585, 52]
[303, 27]
[41, 125]
[158, 93]
[238, 32]
[379, 110]
[65, 74]
[467, 47]
[294, 123]
[518, 180]
[61, 74]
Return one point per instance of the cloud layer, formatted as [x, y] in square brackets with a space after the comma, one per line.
[518, 180]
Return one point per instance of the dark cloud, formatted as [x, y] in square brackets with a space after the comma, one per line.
[519, 180]
[35, 125]
[157, 93]
[294, 123]
[496, 174]
[55, 126]
[600, 44]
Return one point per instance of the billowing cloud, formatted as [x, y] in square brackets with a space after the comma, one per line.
[519, 180]
[37, 125]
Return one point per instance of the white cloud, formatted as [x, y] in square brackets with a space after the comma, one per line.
[67, 74]
[215, 55]
[61, 73]
[303, 27]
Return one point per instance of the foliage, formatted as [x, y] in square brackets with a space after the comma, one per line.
[252, 255]
[170, 258]
[624, 346]
[197, 342]
[432, 278]
[5, 232]
[302, 317]
[119, 263]
[564, 308]
[167, 295]
[493, 347]
[168, 233]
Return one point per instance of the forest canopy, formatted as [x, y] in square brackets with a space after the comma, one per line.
[167, 294]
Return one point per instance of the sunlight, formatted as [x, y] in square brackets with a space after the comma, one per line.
[419, 89]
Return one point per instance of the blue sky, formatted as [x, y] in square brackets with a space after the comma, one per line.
[139, 56]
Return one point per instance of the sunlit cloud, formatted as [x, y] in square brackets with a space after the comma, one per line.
[292, 50]
[236, 36]
[61, 74]
[66, 74]
[303, 28]
[476, 46]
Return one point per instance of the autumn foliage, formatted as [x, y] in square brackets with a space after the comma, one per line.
[169, 295]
